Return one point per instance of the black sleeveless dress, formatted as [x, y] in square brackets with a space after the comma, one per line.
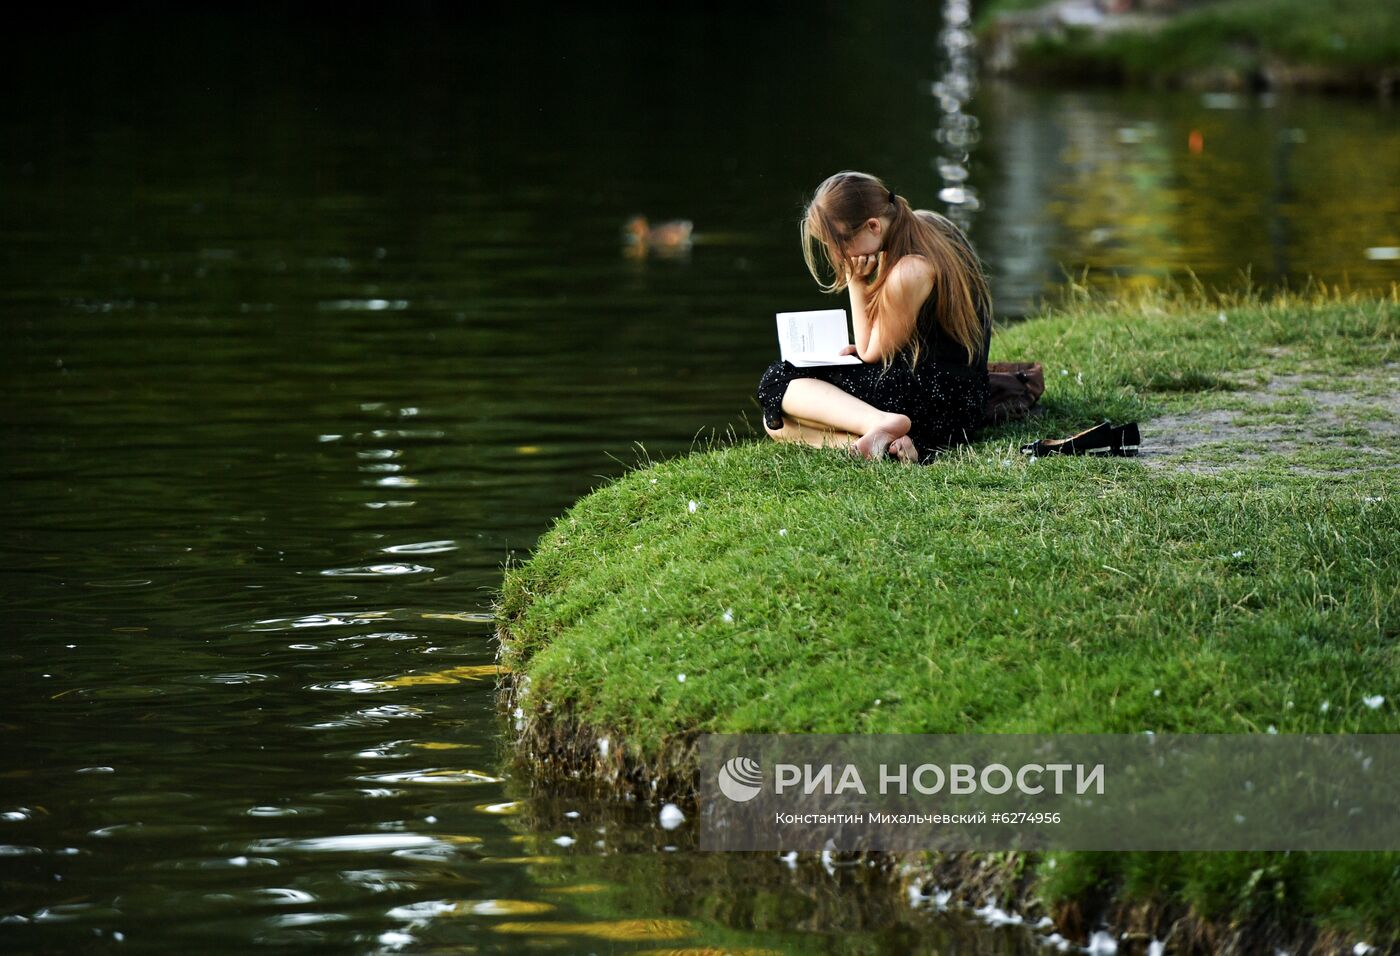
[944, 397]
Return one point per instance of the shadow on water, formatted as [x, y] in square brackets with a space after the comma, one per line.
[312, 321]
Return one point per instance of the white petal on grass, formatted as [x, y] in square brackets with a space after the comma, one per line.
[996, 916]
[1326, 706]
[728, 616]
[565, 840]
[1102, 944]
[1374, 701]
[680, 678]
[693, 506]
[603, 747]
[671, 816]
[782, 532]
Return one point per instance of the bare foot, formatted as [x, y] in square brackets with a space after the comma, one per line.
[903, 449]
[874, 443]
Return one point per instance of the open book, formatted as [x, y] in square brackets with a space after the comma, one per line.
[814, 338]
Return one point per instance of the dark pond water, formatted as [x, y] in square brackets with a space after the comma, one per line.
[311, 322]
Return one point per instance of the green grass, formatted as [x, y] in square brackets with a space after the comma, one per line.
[1351, 40]
[985, 593]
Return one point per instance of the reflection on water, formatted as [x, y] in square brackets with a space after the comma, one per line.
[301, 350]
[957, 127]
[1145, 188]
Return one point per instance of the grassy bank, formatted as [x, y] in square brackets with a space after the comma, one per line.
[1342, 44]
[758, 587]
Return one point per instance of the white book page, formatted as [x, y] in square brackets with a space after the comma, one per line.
[814, 338]
[804, 359]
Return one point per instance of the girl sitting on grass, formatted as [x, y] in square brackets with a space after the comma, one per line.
[921, 311]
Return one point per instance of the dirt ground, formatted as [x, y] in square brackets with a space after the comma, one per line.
[1317, 423]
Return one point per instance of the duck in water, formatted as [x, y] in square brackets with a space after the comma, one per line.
[665, 238]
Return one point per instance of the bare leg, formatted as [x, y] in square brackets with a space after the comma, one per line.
[813, 433]
[821, 402]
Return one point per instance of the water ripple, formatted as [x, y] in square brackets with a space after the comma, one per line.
[363, 305]
[266, 811]
[422, 547]
[440, 776]
[356, 843]
[352, 686]
[428, 909]
[331, 619]
[370, 716]
[377, 570]
[281, 894]
[236, 678]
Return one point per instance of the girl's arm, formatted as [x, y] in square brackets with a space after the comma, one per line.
[859, 321]
[904, 293]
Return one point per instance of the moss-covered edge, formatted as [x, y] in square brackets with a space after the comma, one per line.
[560, 748]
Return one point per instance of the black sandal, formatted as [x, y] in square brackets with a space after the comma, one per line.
[1104, 438]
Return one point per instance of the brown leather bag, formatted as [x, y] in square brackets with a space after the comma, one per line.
[1013, 388]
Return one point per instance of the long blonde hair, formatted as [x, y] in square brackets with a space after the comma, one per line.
[843, 202]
